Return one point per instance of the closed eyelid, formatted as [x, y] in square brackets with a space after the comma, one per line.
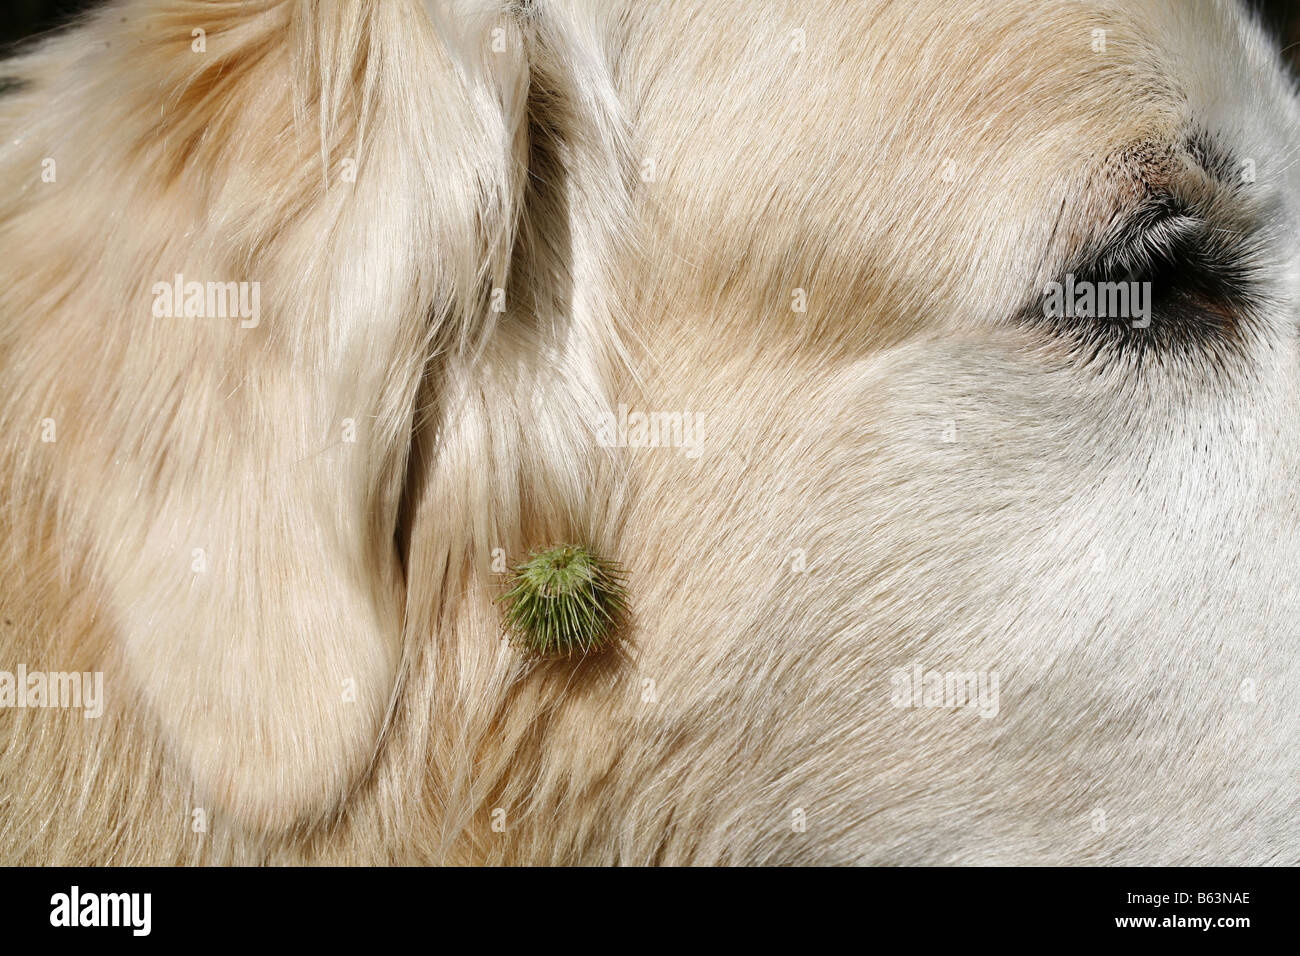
[1200, 284]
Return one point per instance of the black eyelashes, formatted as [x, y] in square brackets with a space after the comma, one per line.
[1165, 284]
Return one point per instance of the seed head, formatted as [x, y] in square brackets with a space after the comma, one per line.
[565, 601]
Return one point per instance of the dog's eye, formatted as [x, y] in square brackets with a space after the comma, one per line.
[1164, 283]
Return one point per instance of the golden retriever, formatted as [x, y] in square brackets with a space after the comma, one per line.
[318, 317]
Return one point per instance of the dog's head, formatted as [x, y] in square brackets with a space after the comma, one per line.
[877, 341]
[960, 340]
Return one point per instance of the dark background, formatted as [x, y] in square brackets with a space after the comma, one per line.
[24, 18]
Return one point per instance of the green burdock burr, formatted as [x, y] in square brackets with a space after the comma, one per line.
[565, 601]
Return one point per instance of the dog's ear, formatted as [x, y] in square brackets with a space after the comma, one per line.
[264, 219]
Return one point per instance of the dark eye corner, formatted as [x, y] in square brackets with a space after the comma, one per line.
[1186, 287]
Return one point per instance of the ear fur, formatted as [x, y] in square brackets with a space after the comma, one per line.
[234, 485]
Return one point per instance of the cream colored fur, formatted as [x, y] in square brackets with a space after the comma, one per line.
[648, 184]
